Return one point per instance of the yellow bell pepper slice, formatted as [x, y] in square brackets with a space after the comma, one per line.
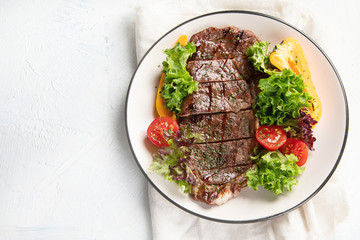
[160, 105]
[289, 54]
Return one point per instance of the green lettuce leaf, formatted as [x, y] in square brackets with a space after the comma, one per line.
[259, 56]
[281, 97]
[274, 171]
[177, 82]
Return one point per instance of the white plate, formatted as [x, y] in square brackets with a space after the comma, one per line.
[249, 206]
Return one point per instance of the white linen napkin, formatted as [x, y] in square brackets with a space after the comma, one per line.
[316, 219]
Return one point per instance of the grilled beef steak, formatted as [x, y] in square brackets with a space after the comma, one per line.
[220, 113]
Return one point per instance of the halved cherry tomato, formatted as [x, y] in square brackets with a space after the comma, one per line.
[271, 137]
[157, 129]
[298, 148]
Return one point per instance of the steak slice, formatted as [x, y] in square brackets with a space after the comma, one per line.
[220, 126]
[215, 97]
[218, 169]
[220, 193]
[213, 70]
[222, 43]
[207, 156]
[221, 70]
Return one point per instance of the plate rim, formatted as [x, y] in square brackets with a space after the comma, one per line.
[266, 217]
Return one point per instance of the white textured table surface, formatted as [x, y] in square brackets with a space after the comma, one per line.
[66, 170]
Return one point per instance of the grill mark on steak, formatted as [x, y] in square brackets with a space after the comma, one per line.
[220, 126]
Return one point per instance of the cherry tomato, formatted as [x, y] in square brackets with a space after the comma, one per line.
[298, 148]
[271, 137]
[157, 128]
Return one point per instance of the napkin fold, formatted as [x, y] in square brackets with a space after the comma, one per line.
[318, 218]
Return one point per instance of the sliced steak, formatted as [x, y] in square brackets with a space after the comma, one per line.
[221, 126]
[220, 112]
[216, 97]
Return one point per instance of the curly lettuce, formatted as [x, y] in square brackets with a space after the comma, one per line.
[259, 56]
[178, 83]
[167, 163]
[274, 171]
[301, 128]
[282, 96]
